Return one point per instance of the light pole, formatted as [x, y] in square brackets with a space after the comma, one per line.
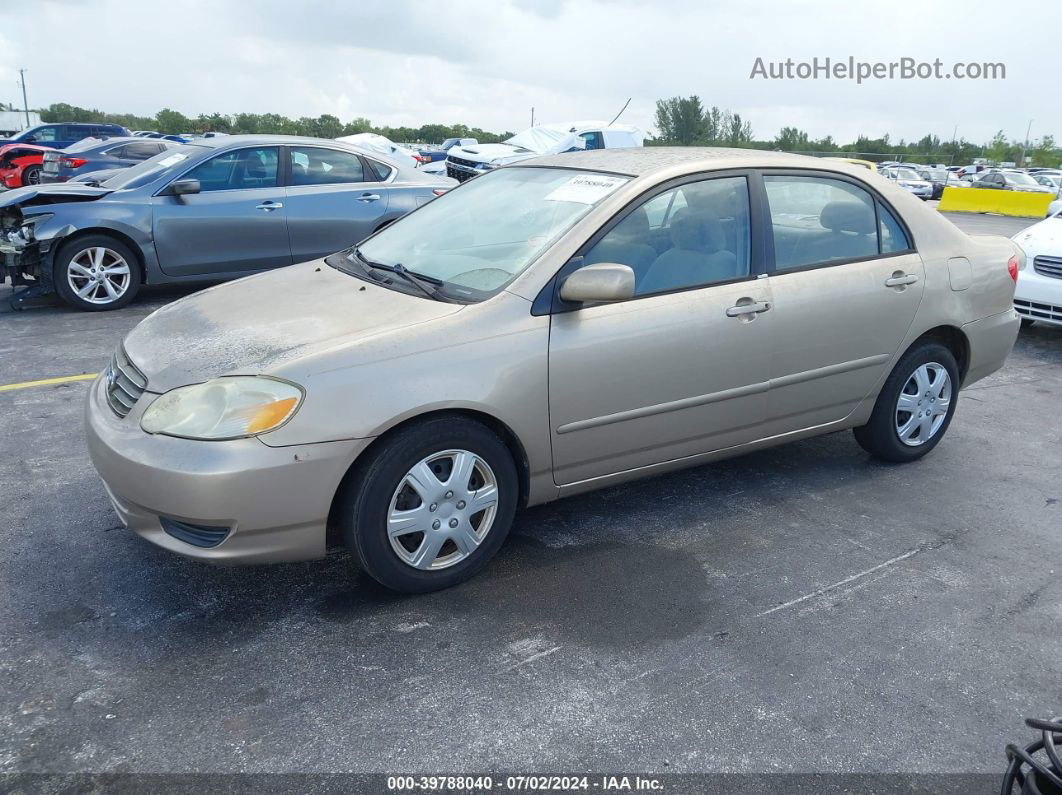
[1025, 147]
[25, 104]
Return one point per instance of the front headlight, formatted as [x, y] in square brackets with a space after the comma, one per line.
[225, 408]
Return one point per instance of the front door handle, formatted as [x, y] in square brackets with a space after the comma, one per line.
[369, 197]
[900, 279]
[752, 308]
[269, 205]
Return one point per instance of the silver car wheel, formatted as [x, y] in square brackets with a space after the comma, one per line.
[98, 275]
[31, 176]
[442, 510]
[923, 404]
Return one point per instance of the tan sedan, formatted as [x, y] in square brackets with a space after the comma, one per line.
[565, 324]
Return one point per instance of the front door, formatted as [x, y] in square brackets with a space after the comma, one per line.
[680, 369]
[236, 223]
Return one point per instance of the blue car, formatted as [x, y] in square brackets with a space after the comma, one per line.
[93, 154]
[61, 135]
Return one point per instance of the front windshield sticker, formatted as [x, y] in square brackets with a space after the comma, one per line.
[176, 157]
[586, 189]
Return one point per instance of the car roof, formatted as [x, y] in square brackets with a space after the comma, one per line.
[223, 141]
[643, 160]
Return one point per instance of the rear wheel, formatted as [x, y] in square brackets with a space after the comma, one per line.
[431, 506]
[96, 273]
[915, 405]
[31, 175]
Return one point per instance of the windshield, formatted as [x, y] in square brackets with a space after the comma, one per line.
[479, 237]
[152, 168]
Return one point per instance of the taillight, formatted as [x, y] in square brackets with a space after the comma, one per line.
[1012, 267]
[439, 191]
[72, 162]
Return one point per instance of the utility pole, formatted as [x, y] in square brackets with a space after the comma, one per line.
[532, 115]
[1025, 147]
[25, 104]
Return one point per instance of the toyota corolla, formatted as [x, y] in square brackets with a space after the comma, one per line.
[556, 326]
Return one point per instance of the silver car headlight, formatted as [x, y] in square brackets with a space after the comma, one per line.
[233, 407]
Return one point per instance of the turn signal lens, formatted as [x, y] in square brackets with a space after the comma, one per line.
[1012, 267]
[271, 415]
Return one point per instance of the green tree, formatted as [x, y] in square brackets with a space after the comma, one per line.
[172, 122]
[790, 139]
[680, 120]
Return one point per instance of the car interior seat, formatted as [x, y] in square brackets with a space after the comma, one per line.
[698, 254]
[853, 230]
[626, 244]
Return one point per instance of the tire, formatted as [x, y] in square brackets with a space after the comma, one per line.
[1026, 322]
[75, 268]
[881, 435]
[31, 175]
[418, 561]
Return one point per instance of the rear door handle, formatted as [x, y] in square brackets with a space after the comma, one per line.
[369, 197]
[269, 205]
[901, 281]
[748, 309]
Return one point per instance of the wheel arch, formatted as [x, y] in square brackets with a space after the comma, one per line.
[505, 433]
[955, 340]
[122, 237]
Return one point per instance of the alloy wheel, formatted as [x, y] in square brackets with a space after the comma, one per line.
[98, 275]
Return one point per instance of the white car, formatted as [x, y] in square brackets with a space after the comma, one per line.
[465, 162]
[1038, 294]
[910, 181]
[384, 146]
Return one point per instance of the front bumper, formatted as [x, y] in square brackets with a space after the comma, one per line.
[273, 501]
[1038, 297]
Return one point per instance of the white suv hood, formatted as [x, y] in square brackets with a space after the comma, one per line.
[495, 154]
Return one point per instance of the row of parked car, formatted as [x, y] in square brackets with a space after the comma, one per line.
[94, 220]
[928, 182]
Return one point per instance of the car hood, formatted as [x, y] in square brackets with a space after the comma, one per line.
[491, 153]
[52, 194]
[1044, 237]
[260, 324]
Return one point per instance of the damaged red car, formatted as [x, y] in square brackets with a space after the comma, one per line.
[20, 164]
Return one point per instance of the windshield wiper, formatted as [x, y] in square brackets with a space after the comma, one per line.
[426, 284]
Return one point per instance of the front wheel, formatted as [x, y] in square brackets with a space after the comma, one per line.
[96, 273]
[431, 506]
[915, 405]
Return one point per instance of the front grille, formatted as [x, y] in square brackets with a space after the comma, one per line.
[125, 383]
[197, 535]
[457, 174]
[1048, 266]
[1038, 311]
[461, 162]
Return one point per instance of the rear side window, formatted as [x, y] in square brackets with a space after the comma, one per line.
[818, 220]
[140, 151]
[893, 238]
[383, 172]
[241, 169]
[313, 166]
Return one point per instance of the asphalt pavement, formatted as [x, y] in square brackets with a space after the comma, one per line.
[799, 609]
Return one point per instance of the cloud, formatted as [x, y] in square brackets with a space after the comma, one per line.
[404, 62]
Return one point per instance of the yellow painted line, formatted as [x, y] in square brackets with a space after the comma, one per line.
[48, 382]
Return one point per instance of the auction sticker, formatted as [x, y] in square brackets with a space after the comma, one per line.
[586, 189]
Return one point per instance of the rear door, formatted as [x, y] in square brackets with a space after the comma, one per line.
[333, 200]
[236, 223]
[846, 283]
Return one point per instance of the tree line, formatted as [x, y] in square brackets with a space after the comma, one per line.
[686, 121]
[172, 122]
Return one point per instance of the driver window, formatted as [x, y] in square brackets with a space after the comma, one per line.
[691, 236]
[240, 169]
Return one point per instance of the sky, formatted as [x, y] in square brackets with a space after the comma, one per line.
[487, 63]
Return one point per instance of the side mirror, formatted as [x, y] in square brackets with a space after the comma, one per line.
[604, 282]
[183, 187]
